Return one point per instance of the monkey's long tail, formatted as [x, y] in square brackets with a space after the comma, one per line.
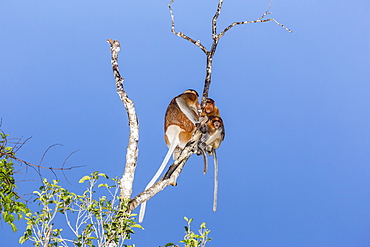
[205, 160]
[215, 188]
[174, 144]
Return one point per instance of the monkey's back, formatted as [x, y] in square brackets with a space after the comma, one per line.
[174, 116]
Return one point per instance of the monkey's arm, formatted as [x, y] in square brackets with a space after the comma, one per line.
[184, 107]
[202, 149]
[205, 159]
[214, 141]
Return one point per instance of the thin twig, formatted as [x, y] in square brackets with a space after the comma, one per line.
[214, 19]
[175, 169]
[249, 22]
[38, 166]
[216, 37]
[43, 156]
[17, 148]
[65, 163]
[182, 35]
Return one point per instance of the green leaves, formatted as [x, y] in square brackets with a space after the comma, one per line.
[99, 219]
[192, 239]
[10, 204]
[83, 179]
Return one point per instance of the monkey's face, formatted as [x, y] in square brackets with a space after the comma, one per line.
[208, 109]
[216, 122]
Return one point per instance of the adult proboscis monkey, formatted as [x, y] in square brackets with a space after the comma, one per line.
[179, 125]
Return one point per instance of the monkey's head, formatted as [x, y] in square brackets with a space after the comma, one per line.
[209, 107]
[216, 122]
[191, 97]
[192, 91]
[216, 131]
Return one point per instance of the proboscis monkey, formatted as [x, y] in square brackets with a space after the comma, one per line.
[209, 142]
[179, 125]
[210, 109]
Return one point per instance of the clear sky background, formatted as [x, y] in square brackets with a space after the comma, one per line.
[295, 163]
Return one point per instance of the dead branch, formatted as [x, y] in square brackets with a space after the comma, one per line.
[132, 148]
[18, 143]
[216, 37]
[132, 151]
[47, 150]
[182, 35]
[175, 169]
[37, 166]
[172, 173]
[65, 163]
[261, 19]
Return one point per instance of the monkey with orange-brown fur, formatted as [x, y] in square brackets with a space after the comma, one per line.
[210, 109]
[214, 134]
[179, 125]
[180, 120]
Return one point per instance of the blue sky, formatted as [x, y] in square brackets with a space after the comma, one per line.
[294, 166]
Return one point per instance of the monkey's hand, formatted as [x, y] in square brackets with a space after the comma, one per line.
[203, 129]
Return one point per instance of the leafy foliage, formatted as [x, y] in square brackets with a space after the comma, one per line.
[92, 220]
[10, 206]
[192, 239]
[97, 222]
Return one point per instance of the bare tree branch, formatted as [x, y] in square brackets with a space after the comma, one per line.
[43, 156]
[172, 173]
[132, 151]
[216, 37]
[47, 236]
[20, 144]
[259, 20]
[175, 169]
[132, 148]
[65, 163]
[11, 155]
[214, 19]
[180, 34]
[38, 166]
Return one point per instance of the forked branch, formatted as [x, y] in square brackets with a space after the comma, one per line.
[258, 20]
[175, 169]
[132, 150]
[172, 173]
[18, 144]
[216, 37]
[6, 154]
[182, 35]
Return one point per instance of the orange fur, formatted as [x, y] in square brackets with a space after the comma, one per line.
[210, 109]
